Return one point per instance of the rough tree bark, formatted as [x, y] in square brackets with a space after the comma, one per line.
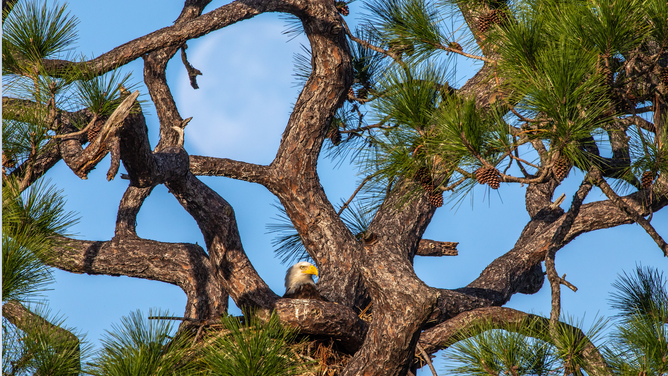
[377, 270]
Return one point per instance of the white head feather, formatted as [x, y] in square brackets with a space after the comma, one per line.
[299, 274]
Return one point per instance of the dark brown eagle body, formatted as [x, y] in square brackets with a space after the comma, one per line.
[305, 291]
[299, 282]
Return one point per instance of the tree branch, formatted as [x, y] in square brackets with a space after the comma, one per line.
[428, 247]
[84, 161]
[212, 166]
[181, 264]
[174, 36]
[628, 210]
[229, 262]
[126, 218]
[556, 244]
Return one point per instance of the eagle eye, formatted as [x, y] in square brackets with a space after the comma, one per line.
[302, 267]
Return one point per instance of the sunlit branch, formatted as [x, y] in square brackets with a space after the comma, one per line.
[628, 210]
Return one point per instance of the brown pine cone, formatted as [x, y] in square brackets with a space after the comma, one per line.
[423, 176]
[342, 7]
[494, 179]
[94, 130]
[481, 175]
[455, 46]
[484, 23]
[489, 176]
[561, 169]
[363, 93]
[647, 179]
[335, 136]
[436, 198]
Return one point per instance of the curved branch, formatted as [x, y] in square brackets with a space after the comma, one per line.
[229, 262]
[174, 36]
[126, 218]
[181, 264]
[628, 210]
[82, 162]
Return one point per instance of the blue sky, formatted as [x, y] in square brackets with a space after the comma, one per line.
[244, 101]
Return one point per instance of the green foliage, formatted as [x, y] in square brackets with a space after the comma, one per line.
[254, 348]
[407, 105]
[143, 347]
[522, 349]
[43, 346]
[407, 26]
[640, 343]
[637, 346]
[31, 223]
[101, 94]
[287, 243]
[463, 134]
[37, 32]
[570, 345]
[641, 293]
[494, 352]
[25, 138]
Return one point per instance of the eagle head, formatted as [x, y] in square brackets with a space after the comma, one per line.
[299, 274]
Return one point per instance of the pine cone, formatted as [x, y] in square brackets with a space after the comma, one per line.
[363, 93]
[94, 130]
[561, 169]
[335, 136]
[647, 179]
[436, 198]
[455, 46]
[484, 23]
[489, 176]
[342, 7]
[494, 179]
[423, 177]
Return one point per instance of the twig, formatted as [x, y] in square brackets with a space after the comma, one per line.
[518, 159]
[454, 185]
[558, 201]
[192, 71]
[554, 245]
[354, 194]
[519, 164]
[623, 206]
[366, 128]
[427, 359]
[568, 284]
[371, 46]
[78, 133]
[460, 52]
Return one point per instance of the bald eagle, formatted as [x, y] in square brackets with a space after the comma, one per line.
[299, 282]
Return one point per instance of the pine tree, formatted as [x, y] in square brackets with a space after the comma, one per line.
[562, 83]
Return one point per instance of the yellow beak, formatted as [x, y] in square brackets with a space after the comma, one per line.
[311, 270]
